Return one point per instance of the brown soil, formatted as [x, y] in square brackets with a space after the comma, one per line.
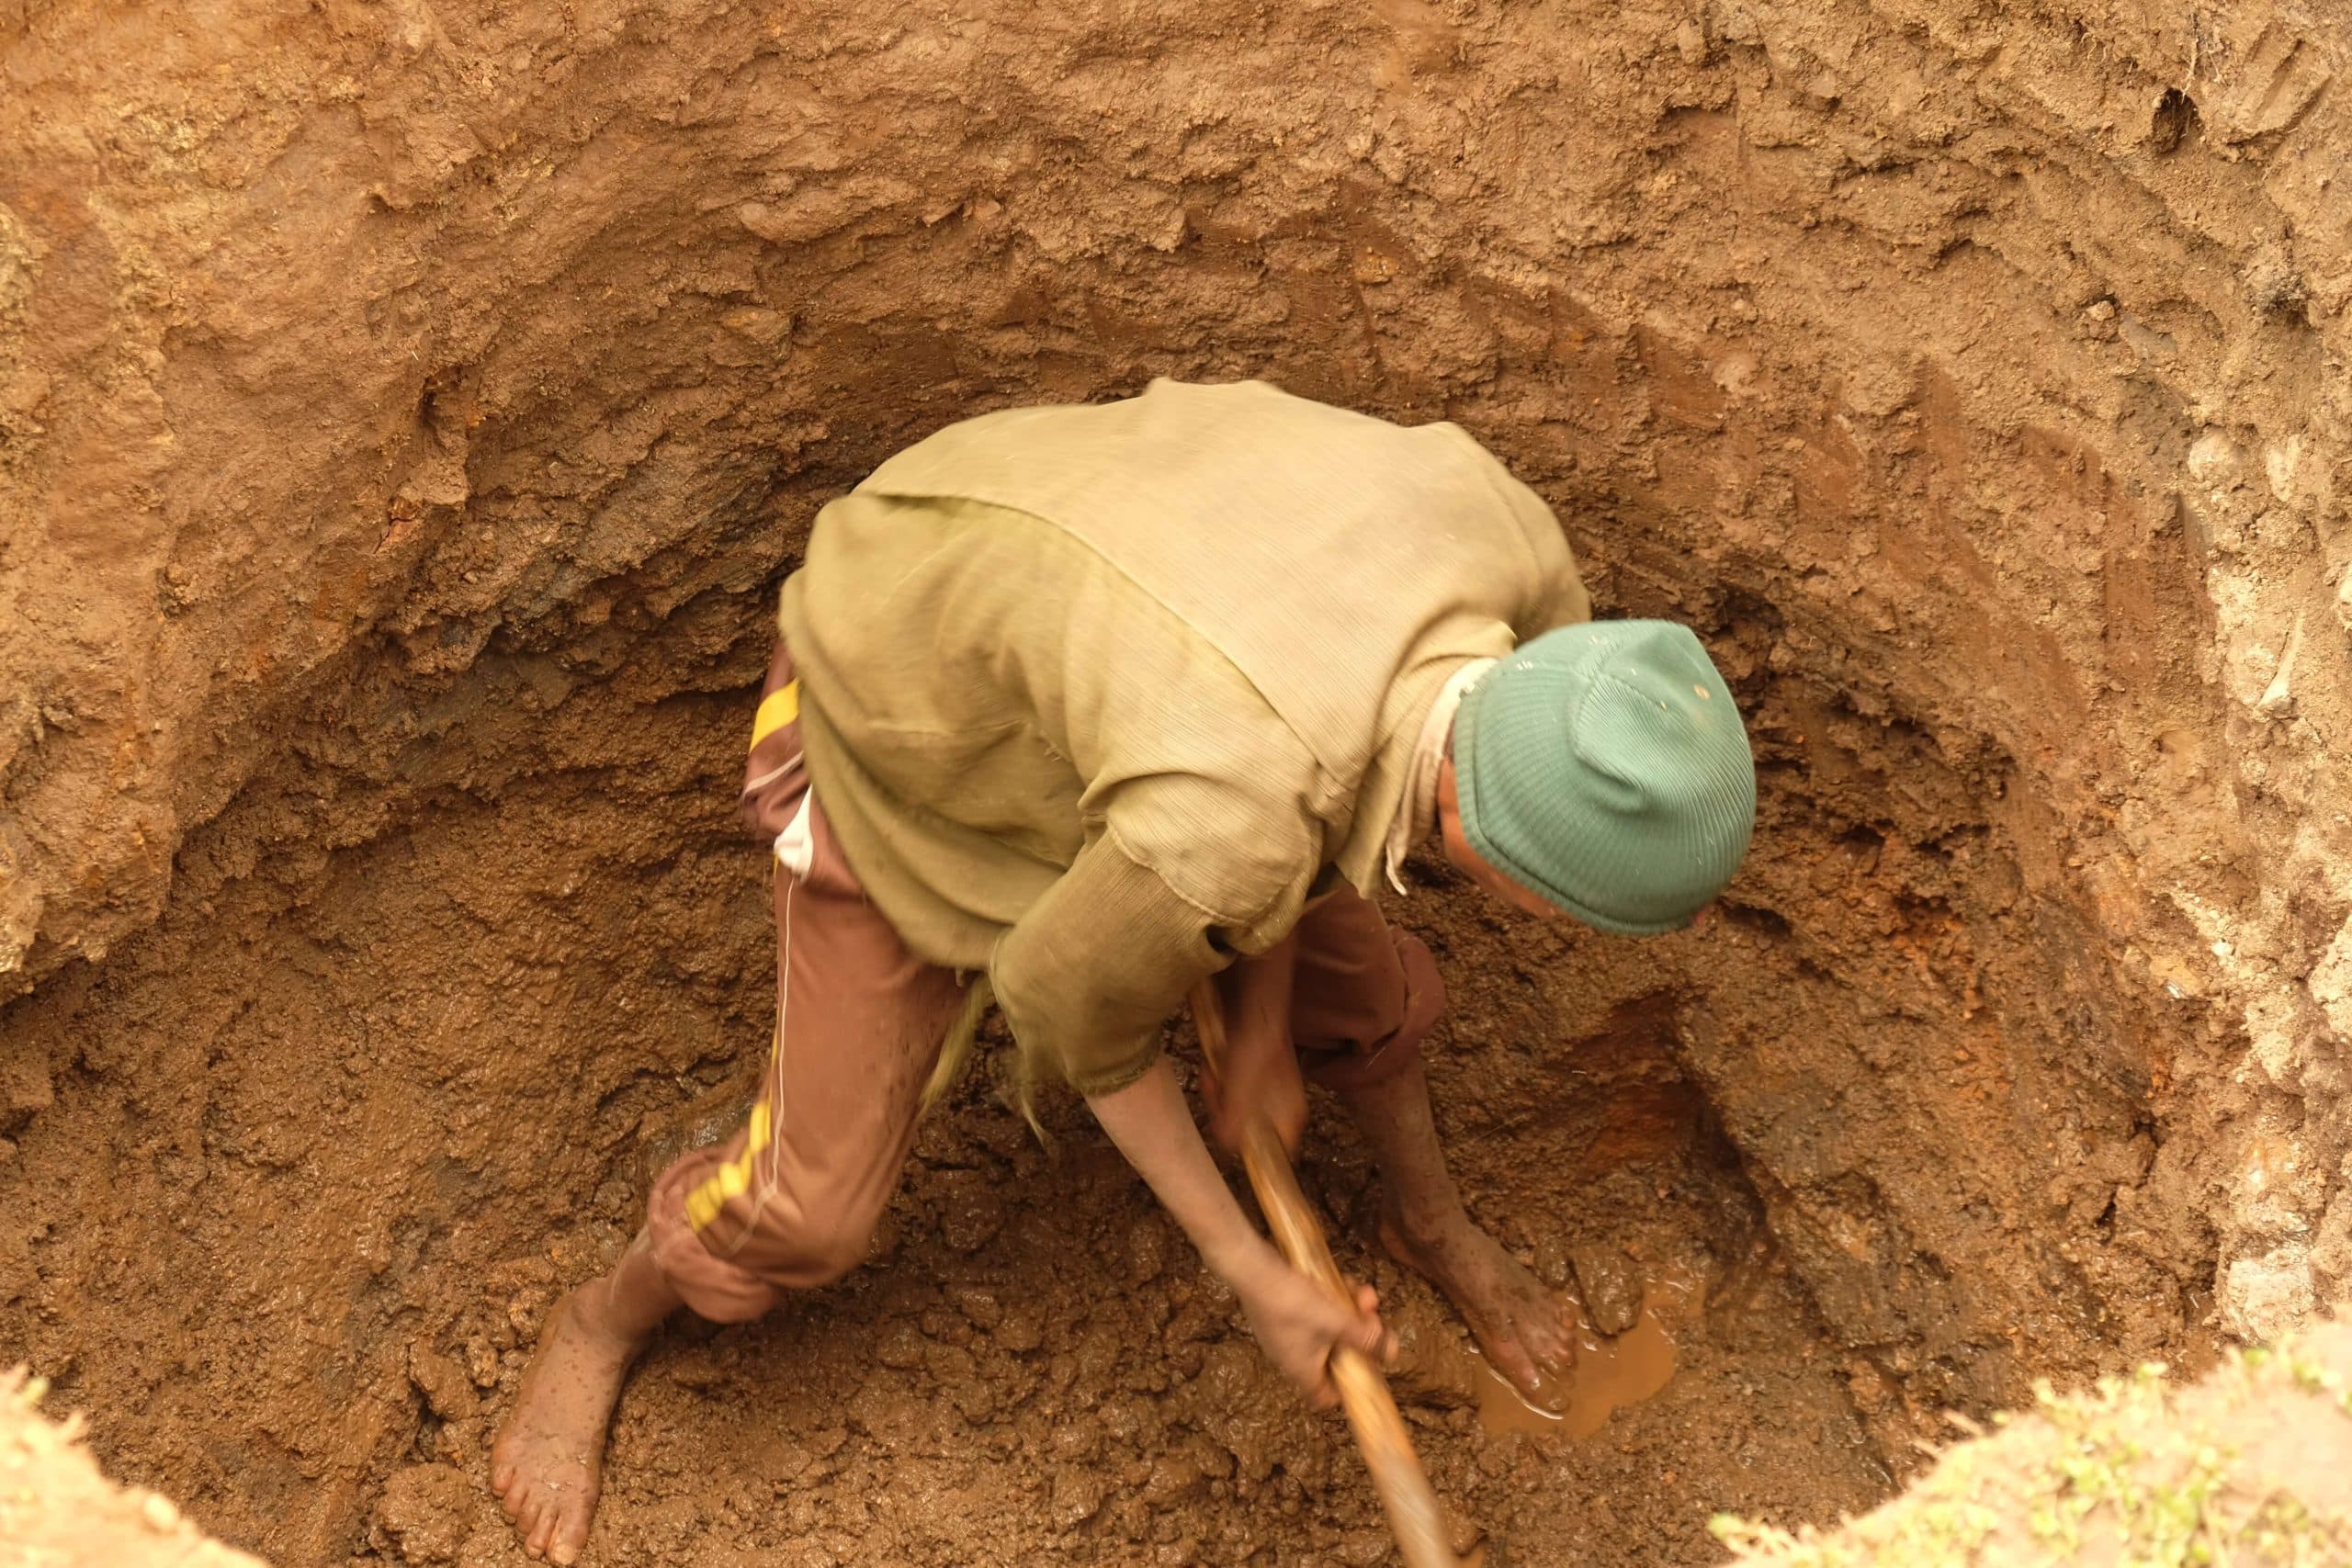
[406, 413]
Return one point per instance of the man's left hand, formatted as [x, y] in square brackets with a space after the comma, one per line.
[1260, 1074]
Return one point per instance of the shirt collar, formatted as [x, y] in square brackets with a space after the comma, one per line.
[1417, 813]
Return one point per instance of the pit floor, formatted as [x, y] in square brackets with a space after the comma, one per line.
[1035, 1367]
[333, 1225]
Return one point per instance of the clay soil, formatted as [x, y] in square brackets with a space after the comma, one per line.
[407, 411]
[1033, 1365]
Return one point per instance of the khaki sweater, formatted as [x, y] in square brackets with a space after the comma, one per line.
[1095, 696]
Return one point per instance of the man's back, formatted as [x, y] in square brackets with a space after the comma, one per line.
[1202, 623]
[1287, 533]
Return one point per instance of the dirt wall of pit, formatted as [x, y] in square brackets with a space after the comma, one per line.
[406, 413]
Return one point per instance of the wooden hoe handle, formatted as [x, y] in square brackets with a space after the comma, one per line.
[1414, 1513]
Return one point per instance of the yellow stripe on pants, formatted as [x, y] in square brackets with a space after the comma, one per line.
[777, 709]
[731, 1179]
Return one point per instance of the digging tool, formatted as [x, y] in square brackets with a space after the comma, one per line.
[1413, 1514]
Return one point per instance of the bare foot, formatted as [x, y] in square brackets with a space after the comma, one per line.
[549, 1456]
[1527, 1331]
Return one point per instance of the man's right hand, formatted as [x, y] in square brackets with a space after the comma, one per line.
[1299, 1325]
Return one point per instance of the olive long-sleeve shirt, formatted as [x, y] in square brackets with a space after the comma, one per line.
[1095, 696]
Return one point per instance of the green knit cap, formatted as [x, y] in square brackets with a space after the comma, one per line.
[1604, 767]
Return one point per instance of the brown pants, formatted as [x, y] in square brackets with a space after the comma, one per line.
[791, 1199]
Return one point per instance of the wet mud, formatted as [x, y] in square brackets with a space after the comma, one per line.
[1123, 1416]
[1610, 1372]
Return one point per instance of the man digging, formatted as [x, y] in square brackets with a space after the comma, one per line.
[1074, 706]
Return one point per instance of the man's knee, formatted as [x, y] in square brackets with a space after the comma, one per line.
[1385, 1037]
[740, 1277]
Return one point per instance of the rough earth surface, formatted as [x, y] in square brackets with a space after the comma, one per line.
[407, 410]
[2253, 1467]
[57, 1511]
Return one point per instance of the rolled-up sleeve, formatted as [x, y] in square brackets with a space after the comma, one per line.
[1095, 967]
[1091, 970]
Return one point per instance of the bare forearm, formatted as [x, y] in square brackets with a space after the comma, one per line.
[1295, 1319]
[1153, 1127]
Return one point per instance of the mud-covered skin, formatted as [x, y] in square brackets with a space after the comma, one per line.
[407, 412]
[1526, 1329]
[548, 1464]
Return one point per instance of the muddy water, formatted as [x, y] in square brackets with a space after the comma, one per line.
[1610, 1372]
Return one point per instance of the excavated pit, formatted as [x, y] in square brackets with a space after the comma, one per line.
[406, 414]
